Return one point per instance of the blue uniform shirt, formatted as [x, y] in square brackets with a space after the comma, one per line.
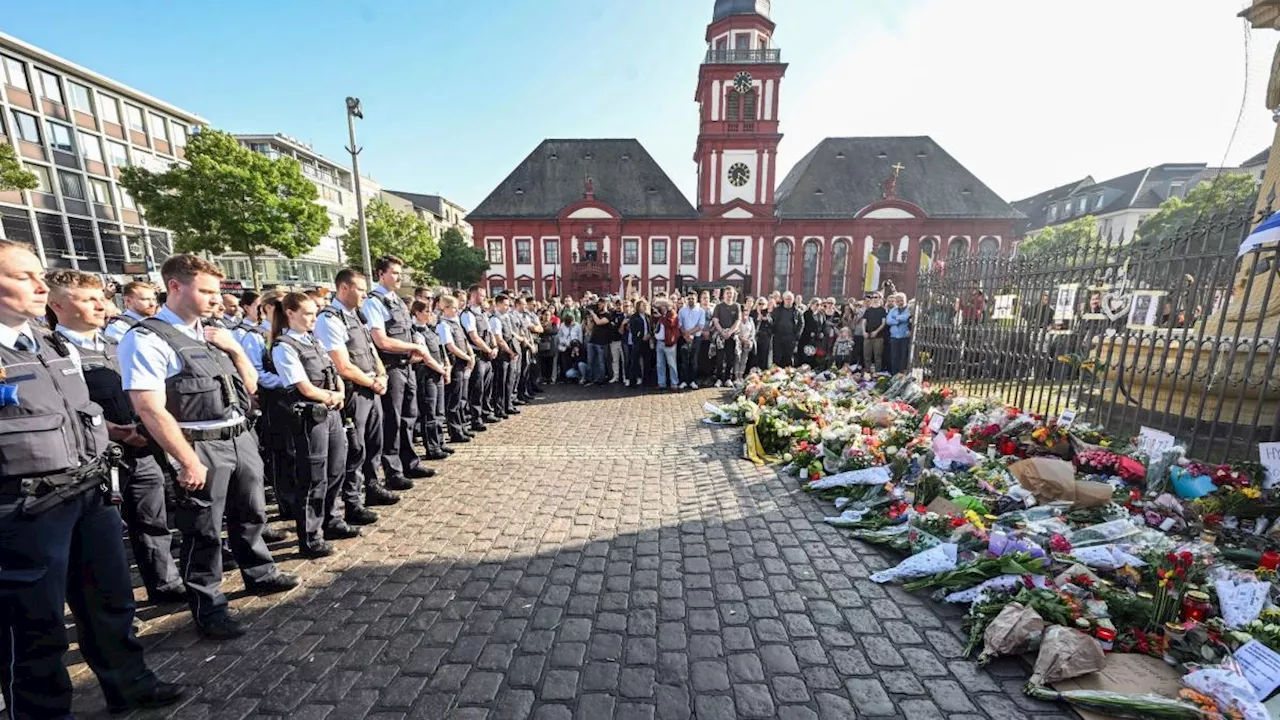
[288, 364]
[376, 314]
[116, 330]
[254, 346]
[331, 332]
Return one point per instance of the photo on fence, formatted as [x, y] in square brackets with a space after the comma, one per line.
[1096, 309]
[1004, 307]
[1145, 309]
[1064, 304]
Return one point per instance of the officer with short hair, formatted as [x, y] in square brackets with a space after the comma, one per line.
[462, 360]
[480, 337]
[59, 531]
[390, 326]
[342, 332]
[140, 303]
[190, 385]
[250, 305]
[76, 312]
[432, 373]
[506, 366]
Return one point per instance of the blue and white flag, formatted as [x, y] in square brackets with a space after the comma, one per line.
[1268, 231]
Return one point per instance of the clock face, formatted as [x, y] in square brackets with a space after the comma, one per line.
[742, 82]
[739, 174]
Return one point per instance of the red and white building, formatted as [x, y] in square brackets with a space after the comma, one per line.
[601, 215]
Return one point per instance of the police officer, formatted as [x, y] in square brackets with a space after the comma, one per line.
[476, 325]
[190, 385]
[342, 332]
[59, 532]
[389, 324]
[230, 311]
[462, 360]
[506, 366]
[432, 374]
[314, 398]
[250, 314]
[273, 438]
[76, 307]
[139, 304]
[530, 329]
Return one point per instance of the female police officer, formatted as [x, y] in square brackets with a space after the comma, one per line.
[59, 539]
[314, 402]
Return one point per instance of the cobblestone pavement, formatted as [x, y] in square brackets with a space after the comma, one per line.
[604, 555]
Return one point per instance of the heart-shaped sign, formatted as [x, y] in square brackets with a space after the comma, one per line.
[1115, 305]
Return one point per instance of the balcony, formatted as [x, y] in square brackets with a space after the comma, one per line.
[743, 57]
[734, 127]
[589, 269]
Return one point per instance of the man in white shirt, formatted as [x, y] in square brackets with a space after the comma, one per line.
[139, 304]
[693, 320]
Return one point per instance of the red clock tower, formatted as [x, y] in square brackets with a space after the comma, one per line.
[738, 89]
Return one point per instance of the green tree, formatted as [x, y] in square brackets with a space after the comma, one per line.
[1226, 193]
[394, 232]
[460, 264]
[1065, 240]
[12, 175]
[231, 199]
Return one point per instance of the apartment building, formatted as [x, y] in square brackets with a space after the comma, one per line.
[75, 129]
[438, 212]
[335, 183]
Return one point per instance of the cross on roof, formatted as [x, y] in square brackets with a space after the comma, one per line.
[898, 168]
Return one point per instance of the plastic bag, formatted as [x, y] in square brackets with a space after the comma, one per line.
[1229, 690]
[1002, 582]
[1015, 630]
[1241, 602]
[1066, 653]
[880, 415]
[1105, 557]
[949, 452]
[930, 562]
[1188, 486]
[1107, 532]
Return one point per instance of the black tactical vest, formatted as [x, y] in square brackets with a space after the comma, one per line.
[101, 372]
[429, 338]
[398, 327]
[315, 362]
[482, 328]
[208, 387]
[359, 340]
[127, 320]
[459, 335]
[48, 423]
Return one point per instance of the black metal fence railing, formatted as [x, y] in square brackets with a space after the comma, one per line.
[737, 57]
[1170, 332]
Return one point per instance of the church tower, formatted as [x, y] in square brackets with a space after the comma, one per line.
[738, 90]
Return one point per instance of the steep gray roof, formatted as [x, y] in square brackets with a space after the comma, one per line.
[553, 176]
[1143, 189]
[1036, 207]
[841, 176]
[1259, 159]
[725, 8]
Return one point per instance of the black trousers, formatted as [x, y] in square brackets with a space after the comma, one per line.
[430, 408]
[727, 359]
[456, 393]
[142, 484]
[320, 454]
[364, 445]
[72, 553]
[504, 371]
[480, 391]
[528, 373]
[399, 413]
[784, 350]
[233, 487]
[274, 443]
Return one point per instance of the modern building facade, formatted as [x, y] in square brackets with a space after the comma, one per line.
[336, 193]
[75, 129]
[584, 215]
[437, 211]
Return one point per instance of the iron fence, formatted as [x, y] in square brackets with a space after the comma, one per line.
[1171, 332]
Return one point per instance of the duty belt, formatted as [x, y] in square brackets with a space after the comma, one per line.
[222, 433]
[43, 493]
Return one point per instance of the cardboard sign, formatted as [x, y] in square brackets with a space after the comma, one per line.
[1260, 666]
[1154, 442]
[1126, 673]
[1269, 453]
[944, 507]
[1066, 418]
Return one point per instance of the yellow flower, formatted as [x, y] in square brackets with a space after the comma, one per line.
[1252, 493]
[975, 519]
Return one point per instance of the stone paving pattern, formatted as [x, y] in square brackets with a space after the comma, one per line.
[603, 555]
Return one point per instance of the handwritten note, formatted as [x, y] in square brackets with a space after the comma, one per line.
[935, 421]
[1269, 453]
[1154, 442]
[1066, 418]
[1260, 666]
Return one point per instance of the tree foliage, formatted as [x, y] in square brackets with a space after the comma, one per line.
[231, 199]
[393, 232]
[1226, 193]
[460, 264]
[12, 175]
[1065, 240]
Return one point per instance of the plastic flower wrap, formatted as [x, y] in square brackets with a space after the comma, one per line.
[935, 560]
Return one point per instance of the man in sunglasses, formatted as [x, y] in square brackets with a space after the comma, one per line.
[874, 328]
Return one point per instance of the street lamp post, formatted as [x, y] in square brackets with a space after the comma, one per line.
[355, 111]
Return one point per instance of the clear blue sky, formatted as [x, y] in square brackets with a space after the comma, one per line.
[455, 93]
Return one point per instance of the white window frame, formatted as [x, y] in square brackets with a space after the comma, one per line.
[51, 127]
[44, 183]
[489, 251]
[72, 86]
[17, 126]
[654, 244]
[67, 179]
[548, 245]
[10, 64]
[100, 191]
[142, 120]
[111, 145]
[109, 106]
[87, 142]
[528, 247]
[43, 76]
[159, 128]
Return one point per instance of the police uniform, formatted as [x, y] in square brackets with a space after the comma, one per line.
[385, 310]
[319, 441]
[206, 396]
[480, 387]
[506, 368]
[528, 357]
[456, 392]
[60, 540]
[340, 326]
[117, 326]
[430, 392]
[142, 479]
[273, 436]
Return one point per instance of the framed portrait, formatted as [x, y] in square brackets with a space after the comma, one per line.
[1064, 302]
[1004, 307]
[1145, 310]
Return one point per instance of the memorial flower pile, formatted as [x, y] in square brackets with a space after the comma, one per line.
[1037, 523]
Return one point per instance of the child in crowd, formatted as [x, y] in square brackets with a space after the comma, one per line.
[842, 352]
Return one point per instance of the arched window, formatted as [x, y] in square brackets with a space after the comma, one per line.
[839, 267]
[958, 248]
[741, 106]
[782, 266]
[929, 246]
[988, 247]
[809, 280]
[884, 252]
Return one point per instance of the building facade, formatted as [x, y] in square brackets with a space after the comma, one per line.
[75, 129]
[334, 182]
[439, 212]
[581, 215]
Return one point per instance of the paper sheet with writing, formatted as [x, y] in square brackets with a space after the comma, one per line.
[1260, 666]
[1269, 454]
[1066, 419]
[1154, 442]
